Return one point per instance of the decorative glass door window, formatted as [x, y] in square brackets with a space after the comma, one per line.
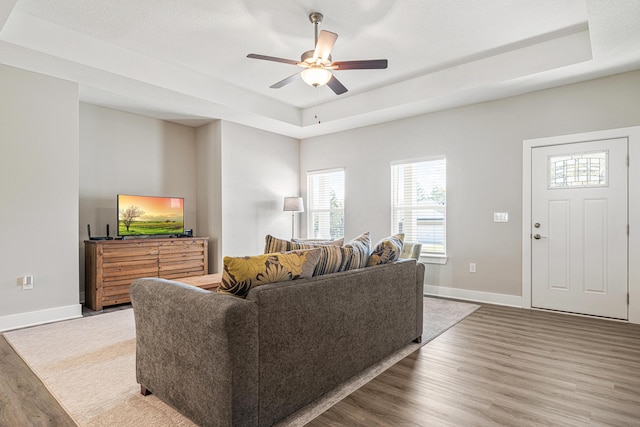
[579, 170]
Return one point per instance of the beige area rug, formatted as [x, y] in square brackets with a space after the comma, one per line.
[88, 365]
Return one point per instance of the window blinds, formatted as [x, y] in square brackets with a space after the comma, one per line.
[325, 216]
[418, 204]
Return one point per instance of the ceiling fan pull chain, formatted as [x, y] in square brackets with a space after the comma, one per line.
[317, 103]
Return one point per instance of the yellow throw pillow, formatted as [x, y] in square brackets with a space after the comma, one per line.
[387, 250]
[240, 274]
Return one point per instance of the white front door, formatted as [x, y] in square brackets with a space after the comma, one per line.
[579, 228]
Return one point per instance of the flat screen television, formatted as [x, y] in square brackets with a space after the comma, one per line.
[150, 215]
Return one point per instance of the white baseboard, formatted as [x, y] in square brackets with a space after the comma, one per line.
[477, 296]
[32, 318]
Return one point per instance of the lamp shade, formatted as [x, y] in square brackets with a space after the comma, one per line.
[293, 204]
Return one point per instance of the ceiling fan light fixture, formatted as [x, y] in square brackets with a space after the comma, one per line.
[315, 76]
[317, 63]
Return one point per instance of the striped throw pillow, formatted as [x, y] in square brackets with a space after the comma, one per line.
[273, 244]
[332, 258]
[361, 246]
[337, 242]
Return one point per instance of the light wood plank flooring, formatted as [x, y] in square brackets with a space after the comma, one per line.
[24, 401]
[511, 367]
[500, 366]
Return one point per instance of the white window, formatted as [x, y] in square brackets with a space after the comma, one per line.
[325, 198]
[418, 203]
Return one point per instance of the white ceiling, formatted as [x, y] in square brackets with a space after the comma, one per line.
[186, 61]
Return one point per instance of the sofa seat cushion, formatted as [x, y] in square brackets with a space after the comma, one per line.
[387, 250]
[240, 274]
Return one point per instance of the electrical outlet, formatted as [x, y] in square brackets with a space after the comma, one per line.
[27, 282]
[472, 267]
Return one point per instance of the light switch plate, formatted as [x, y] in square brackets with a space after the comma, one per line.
[501, 217]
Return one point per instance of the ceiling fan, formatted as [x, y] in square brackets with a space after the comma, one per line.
[318, 64]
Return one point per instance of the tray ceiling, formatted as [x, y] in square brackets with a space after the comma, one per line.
[186, 61]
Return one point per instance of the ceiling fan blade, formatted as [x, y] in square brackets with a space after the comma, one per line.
[326, 40]
[286, 81]
[272, 58]
[371, 64]
[336, 86]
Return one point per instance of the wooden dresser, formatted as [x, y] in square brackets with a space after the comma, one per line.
[111, 265]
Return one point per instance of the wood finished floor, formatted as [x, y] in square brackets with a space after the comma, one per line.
[511, 367]
[500, 366]
[24, 400]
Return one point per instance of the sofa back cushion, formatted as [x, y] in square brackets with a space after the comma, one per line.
[411, 250]
[240, 274]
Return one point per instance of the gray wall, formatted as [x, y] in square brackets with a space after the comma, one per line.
[243, 176]
[233, 177]
[259, 169]
[209, 189]
[131, 154]
[483, 147]
[38, 197]
[62, 163]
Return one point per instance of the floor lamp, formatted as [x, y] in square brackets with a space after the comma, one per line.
[293, 205]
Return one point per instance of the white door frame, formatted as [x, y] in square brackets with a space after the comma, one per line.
[633, 135]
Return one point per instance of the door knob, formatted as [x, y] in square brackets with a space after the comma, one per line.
[538, 237]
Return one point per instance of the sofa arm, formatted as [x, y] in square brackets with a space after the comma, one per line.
[197, 351]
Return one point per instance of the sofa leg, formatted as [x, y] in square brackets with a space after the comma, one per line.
[418, 340]
[144, 391]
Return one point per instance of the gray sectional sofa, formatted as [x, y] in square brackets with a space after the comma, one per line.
[226, 361]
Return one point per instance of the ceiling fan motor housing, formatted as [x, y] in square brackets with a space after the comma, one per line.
[307, 58]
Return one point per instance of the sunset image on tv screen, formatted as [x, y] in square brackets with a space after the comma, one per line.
[147, 215]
